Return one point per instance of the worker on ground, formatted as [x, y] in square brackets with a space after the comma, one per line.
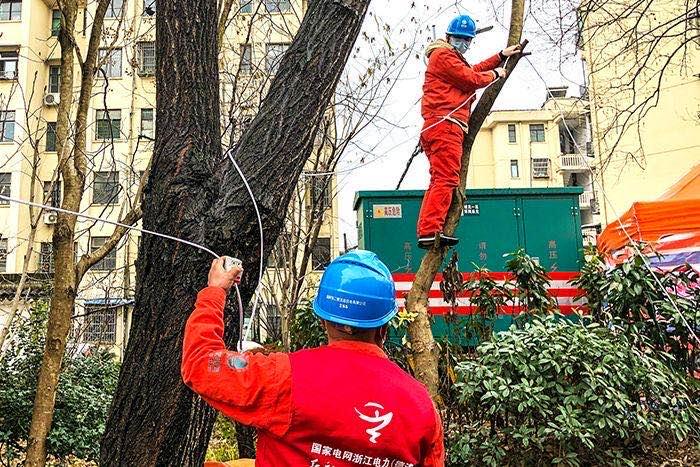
[448, 93]
[342, 404]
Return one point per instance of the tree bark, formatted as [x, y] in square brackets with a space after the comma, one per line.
[423, 347]
[194, 193]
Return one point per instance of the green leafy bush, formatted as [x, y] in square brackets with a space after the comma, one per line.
[559, 392]
[306, 330]
[85, 390]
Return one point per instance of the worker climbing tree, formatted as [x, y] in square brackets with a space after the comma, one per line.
[448, 92]
[423, 347]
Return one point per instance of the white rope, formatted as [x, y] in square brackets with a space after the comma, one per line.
[107, 221]
[615, 213]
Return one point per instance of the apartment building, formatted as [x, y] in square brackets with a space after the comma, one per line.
[538, 148]
[642, 64]
[122, 121]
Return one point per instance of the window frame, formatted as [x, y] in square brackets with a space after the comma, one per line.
[111, 12]
[5, 122]
[5, 187]
[512, 135]
[54, 82]
[110, 196]
[536, 131]
[246, 62]
[152, 130]
[321, 263]
[245, 7]
[535, 169]
[109, 262]
[104, 56]
[515, 166]
[55, 28]
[4, 253]
[272, 66]
[149, 8]
[9, 56]
[94, 333]
[14, 6]
[55, 198]
[101, 116]
[277, 6]
[145, 70]
[50, 141]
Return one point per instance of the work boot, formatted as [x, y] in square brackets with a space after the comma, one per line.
[427, 242]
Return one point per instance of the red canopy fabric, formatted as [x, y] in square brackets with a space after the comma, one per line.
[670, 225]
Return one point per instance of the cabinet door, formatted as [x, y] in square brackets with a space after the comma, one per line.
[552, 232]
[488, 229]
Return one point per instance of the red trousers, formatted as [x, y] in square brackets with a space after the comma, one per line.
[443, 147]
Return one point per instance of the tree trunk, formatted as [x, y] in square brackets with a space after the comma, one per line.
[192, 192]
[64, 286]
[423, 346]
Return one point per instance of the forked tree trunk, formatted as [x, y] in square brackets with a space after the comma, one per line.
[194, 193]
[423, 346]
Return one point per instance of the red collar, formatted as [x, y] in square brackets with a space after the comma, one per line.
[364, 347]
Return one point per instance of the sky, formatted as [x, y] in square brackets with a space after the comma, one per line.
[380, 153]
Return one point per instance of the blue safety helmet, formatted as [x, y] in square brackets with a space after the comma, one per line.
[356, 290]
[462, 26]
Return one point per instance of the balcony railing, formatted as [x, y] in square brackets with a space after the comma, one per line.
[572, 162]
[585, 199]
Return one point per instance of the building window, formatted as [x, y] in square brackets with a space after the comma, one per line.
[108, 124]
[7, 126]
[246, 66]
[319, 192]
[109, 262]
[273, 323]
[511, 133]
[278, 6]
[55, 22]
[273, 56]
[54, 79]
[540, 167]
[5, 187]
[3, 254]
[50, 137]
[46, 264]
[246, 6]
[100, 324]
[146, 52]
[321, 254]
[8, 64]
[514, 169]
[149, 7]
[537, 133]
[114, 9]
[279, 257]
[52, 193]
[10, 10]
[147, 123]
[105, 188]
[111, 60]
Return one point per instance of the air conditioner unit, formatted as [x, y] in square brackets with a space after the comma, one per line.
[51, 99]
[50, 218]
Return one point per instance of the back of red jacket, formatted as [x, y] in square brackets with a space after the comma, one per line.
[450, 82]
[352, 408]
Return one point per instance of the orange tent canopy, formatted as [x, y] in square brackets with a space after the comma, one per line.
[670, 224]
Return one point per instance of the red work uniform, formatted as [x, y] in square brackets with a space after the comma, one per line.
[449, 83]
[341, 405]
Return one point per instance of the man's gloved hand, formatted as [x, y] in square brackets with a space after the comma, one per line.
[512, 50]
[500, 72]
[220, 277]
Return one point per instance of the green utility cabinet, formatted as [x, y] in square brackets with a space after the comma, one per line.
[544, 221]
